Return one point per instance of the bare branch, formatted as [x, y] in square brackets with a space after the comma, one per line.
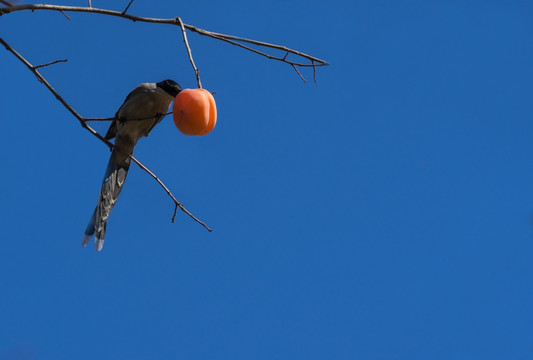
[50, 63]
[314, 71]
[176, 202]
[83, 123]
[234, 40]
[90, 3]
[127, 7]
[196, 71]
[6, 3]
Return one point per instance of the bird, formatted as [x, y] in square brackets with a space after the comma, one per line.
[141, 111]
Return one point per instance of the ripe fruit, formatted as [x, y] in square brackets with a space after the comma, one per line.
[194, 111]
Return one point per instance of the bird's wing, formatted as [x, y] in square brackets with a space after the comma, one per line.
[112, 131]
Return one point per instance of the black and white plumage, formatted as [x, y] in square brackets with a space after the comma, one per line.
[143, 108]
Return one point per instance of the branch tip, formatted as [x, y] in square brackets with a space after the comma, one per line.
[296, 69]
[62, 12]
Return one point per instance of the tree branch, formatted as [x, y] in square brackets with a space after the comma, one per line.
[313, 62]
[83, 123]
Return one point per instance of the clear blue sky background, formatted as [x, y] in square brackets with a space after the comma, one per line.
[384, 214]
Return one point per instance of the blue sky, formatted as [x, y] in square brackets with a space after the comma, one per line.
[386, 213]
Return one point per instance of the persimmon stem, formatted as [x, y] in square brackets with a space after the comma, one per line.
[184, 34]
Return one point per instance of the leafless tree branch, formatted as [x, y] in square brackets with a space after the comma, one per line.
[6, 3]
[83, 123]
[234, 40]
[176, 202]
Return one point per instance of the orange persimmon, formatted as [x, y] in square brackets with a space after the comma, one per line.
[194, 111]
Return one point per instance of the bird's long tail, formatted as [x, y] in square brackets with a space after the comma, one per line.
[114, 178]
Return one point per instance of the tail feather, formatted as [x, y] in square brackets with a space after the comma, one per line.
[85, 239]
[115, 175]
[98, 244]
[89, 231]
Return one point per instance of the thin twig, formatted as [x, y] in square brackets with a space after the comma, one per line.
[6, 3]
[127, 7]
[296, 69]
[314, 71]
[50, 63]
[90, 3]
[184, 33]
[83, 123]
[62, 12]
[100, 119]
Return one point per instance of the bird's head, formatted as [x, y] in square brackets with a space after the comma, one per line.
[170, 87]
